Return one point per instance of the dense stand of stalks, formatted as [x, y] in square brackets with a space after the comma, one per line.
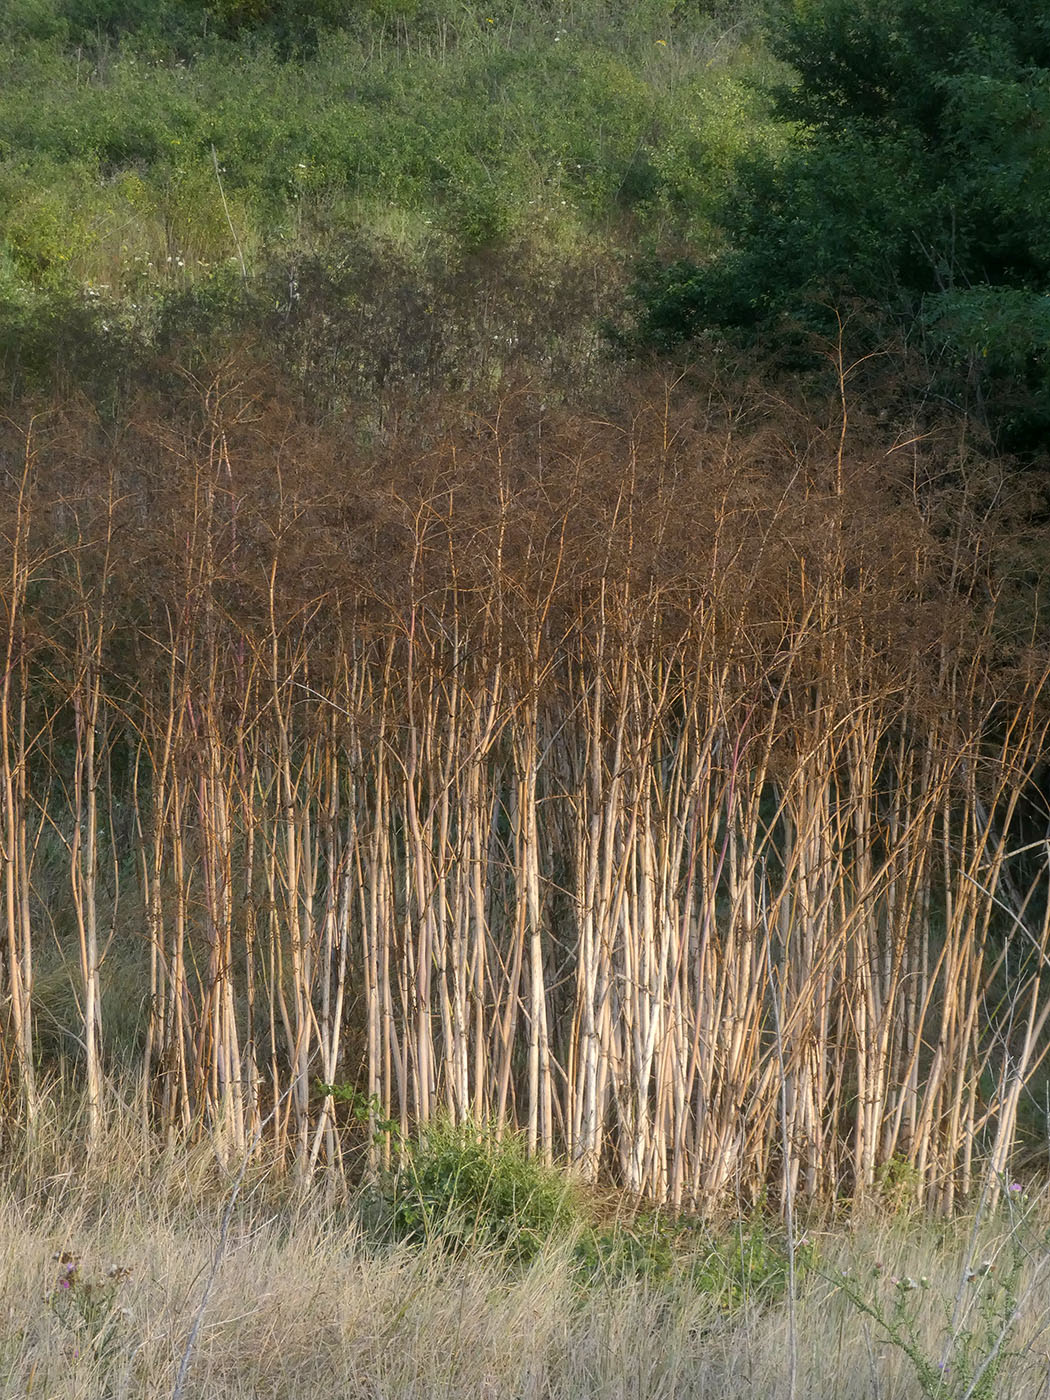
[656, 787]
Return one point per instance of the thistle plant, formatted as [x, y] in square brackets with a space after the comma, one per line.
[90, 1306]
[967, 1358]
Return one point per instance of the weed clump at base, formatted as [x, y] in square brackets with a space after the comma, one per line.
[467, 1188]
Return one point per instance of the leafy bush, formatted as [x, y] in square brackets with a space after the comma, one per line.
[466, 1188]
[643, 1249]
[750, 1264]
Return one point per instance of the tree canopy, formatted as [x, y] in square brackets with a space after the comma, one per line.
[916, 180]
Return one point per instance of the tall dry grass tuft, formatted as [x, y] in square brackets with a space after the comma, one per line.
[660, 785]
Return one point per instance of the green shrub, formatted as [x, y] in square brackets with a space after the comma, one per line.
[749, 1264]
[465, 1188]
[641, 1249]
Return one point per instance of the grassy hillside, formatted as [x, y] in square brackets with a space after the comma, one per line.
[202, 153]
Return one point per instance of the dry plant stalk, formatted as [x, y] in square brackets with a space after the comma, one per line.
[645, 786]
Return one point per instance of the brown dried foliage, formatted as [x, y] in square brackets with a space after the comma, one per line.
[596, 775]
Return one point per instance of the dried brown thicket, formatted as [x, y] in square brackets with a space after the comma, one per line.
[650, 785]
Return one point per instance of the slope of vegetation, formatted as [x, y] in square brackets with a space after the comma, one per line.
[185, 156]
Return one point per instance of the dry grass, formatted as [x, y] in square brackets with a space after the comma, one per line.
[303, 1305]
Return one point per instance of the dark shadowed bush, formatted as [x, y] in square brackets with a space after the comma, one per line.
[916, 179]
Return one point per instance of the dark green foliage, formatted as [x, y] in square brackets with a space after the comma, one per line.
[917, 180]
[748, 1264]
[291, 24]
[899, 66]
[624, 1252]
[63, 342]
[182, 26]
[467, 1189]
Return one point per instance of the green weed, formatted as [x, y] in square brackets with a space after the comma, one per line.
[467, 1188]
